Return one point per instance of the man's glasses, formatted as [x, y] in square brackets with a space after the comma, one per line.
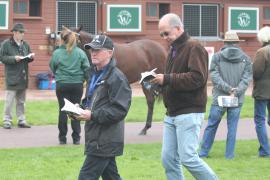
[21, 32]
[167, 33]
[164, 34]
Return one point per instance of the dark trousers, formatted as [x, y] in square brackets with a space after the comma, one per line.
[73, 92]
[95, 167]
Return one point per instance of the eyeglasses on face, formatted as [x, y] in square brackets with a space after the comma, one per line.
[167, 33]
[21, 32]
[164, 34]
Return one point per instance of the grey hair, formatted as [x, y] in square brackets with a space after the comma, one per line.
[264, 35]
[173, 20]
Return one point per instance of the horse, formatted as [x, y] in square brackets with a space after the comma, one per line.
[132, 59]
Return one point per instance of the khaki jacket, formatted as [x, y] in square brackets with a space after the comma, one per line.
[261, 74]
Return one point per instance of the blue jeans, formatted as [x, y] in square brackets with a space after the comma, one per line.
[259, 119]
[215, 116]
[180, 144]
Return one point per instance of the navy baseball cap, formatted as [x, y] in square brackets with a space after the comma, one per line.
[100, 42]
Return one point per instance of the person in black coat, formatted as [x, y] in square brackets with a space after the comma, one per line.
[106, 104]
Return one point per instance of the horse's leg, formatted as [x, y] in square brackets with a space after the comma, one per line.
[150, 99]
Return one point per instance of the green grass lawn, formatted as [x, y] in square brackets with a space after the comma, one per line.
[46, 112]
[139, 162]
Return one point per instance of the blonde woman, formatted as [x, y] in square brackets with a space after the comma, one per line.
[70, 66]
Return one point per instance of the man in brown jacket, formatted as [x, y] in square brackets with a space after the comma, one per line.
[261, 90]
[184, 87]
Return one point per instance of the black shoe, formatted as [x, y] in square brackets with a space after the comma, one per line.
[264, 155]
[7, 126]
[76, 142]
[24, 125]
[62, 142]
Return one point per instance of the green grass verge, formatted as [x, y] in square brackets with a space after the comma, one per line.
[139, 162]
[46, 112]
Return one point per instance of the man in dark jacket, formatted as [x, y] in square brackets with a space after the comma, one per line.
[15, 54]
[184, 94]
[107, 101]
[261, 90]
[231, 73]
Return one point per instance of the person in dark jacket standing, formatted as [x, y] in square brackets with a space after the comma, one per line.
[13, 55]
[106, 104]
[184, 95]
[261, 90]
[231, 73]
[70, 66]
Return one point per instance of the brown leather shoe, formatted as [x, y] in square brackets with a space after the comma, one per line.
[24, 125]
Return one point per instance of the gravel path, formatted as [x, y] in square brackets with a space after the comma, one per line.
[41, 136]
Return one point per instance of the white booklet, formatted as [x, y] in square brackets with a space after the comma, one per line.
[71, 108]
[148, 75]
[227, 101]
[29, 56]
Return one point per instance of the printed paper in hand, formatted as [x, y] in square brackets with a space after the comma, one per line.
[227, 101]
[71, 108]
[148, 75]
[28, 57]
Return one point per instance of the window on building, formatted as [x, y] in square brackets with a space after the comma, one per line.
[27, 8]
[266, 13]
[77, 13]
[151, 9]
[157, 10]
[4, 15]
[201, 20]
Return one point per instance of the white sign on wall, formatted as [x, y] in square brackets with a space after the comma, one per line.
[210, 51]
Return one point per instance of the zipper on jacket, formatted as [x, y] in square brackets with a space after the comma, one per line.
[93, 101]
[96, 93]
